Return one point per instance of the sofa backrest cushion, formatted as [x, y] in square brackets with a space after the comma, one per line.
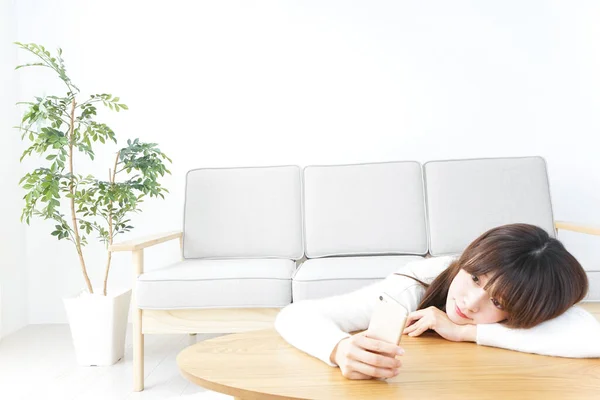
[364, 209]
[253, 212]
[465, 198]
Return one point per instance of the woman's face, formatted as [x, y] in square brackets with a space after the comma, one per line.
[469, 303]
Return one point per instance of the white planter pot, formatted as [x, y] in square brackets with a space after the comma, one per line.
[98, 326]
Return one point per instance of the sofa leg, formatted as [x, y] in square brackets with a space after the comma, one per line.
[136, 315]
[138, 352]
[192, 339]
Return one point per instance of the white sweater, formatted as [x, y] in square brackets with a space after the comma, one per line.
[316, 326]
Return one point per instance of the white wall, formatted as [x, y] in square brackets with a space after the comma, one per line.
[13, 268]
[240, 83]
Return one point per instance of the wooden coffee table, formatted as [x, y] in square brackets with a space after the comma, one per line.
[261, 365]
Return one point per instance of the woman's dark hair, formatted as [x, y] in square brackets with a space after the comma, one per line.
[532, 274]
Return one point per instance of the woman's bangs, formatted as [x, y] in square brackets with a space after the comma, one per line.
[499, 286]
[481, 265]
[503, 284]
[515, 292]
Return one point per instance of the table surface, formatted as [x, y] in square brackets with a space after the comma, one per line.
[261, 365]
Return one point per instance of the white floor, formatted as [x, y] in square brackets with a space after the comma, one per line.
[38, 362]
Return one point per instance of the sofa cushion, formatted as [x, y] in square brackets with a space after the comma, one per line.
[465, 198]
[217, 284]
[324, 277]
[364, 209]
[253, 212]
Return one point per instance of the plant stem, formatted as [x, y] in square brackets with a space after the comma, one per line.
[72, 190]
[111, 178]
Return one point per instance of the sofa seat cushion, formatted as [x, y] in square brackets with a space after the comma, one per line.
[203, 283]
[324, 277]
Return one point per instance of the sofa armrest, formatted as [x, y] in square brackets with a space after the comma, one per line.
[142, 243]
[576, 227]
[593, 308]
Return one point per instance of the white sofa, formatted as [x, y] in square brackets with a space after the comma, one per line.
[255, 239]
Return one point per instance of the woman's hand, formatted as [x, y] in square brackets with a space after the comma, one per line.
[419, 321]
[361, 357]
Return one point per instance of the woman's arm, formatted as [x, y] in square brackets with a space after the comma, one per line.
[575, 334]
[317, 326]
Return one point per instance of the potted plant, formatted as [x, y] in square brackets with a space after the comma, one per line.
[56, 127]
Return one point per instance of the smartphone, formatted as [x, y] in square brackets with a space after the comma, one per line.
[388, 320]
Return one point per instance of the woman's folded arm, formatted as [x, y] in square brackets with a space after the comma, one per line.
[575, 334]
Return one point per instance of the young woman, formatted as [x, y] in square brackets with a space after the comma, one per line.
[513, 287]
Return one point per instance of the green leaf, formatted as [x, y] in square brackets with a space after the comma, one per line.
[31, 65]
